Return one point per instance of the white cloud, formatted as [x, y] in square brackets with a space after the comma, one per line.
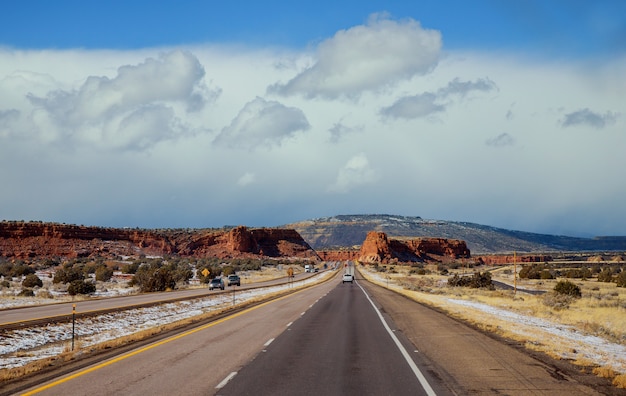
[262, 123]
[74, 154]
[502, 140]
[427, 104]
[339, 130]
[367, 57]
[133, 110]
[355, 173]
[415, 106]
[589, 118]
[246, 179]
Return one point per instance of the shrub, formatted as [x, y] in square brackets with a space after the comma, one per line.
[5, 283]
[32, 280]
[154, 277]
[21, 269]
[557, 301]
[80, 287]
[478, 280]
[567, 288]
[606, 275]
[582, 273]
[621, 279]
[546, 274]
[537, 271]
[104, 273]
[26, 293]
[68, 275]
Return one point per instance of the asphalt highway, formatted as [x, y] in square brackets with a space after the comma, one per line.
[331, 339]
[32, 313]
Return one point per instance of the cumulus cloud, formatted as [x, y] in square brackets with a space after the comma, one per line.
[339, 130]
[133, 110]
[262, 123]
[462, 88]
[356, 172]
[366, 57]
[429, 103]
[8, 118]
[502, 140]
[415, 106]
[589, 118]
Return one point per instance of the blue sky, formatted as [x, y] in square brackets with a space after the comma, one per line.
[201, 114]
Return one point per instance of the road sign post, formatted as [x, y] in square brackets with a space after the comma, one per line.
[73, 324]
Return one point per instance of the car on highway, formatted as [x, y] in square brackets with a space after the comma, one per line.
[347, 278]
[234, 280]
[216, 283]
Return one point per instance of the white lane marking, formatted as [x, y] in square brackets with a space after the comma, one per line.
[268, 342]
[302, 314]
[420, 377]
[225, 380]
[289, 324]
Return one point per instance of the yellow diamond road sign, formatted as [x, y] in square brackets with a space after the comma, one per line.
[205, 272]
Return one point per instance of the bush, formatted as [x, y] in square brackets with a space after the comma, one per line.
[26, 293]
[557, 301]
[5, 283]
[539, 271]
[606, 275]
[32, 280]
[567, 288]
[621, 279]
[80, 287]
[68, 275]
[476, 281]
[104, 273]
[154, 278]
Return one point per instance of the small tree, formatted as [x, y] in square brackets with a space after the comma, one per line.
[606, 275]
[620, 279]
[104, 273]
[32, 280]
[568, 288]
[80, 287]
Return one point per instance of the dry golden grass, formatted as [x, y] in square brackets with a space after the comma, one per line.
[599, 312]
[620, 381]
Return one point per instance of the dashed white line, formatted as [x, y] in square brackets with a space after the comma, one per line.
[225, 380]
[289, 324]
[268, 342]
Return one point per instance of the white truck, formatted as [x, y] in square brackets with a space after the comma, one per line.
[308, 268]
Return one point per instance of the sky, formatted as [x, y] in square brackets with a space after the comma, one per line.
[194, 114]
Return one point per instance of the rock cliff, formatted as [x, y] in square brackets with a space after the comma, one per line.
[24, 240]
[378, 248]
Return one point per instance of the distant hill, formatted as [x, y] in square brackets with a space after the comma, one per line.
[350, 231]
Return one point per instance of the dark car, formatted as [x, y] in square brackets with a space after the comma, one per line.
[234, 280]
[216, 283]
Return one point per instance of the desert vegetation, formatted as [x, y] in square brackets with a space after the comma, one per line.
[53, 278]
[586, 297]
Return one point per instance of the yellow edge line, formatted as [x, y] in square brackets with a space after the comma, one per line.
[138, 351]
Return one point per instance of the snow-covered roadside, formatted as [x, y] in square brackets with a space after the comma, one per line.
[573, 344]
[19, 347]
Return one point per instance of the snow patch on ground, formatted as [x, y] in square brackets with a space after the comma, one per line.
[535, 330]
[19, 347]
